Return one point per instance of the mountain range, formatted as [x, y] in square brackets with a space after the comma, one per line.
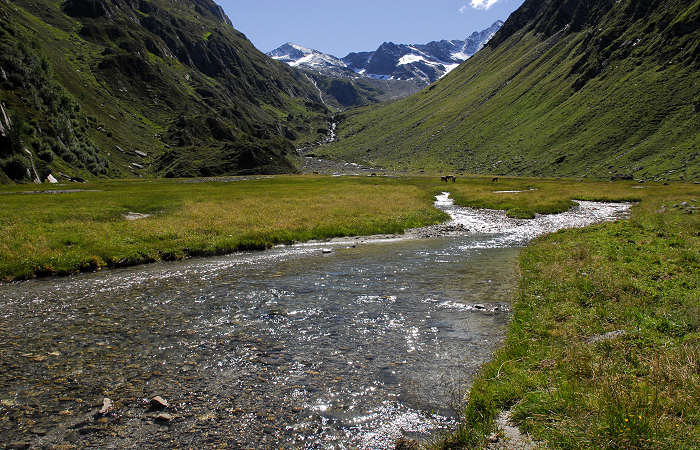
[602, 88]
[131, 88]
[423, 62]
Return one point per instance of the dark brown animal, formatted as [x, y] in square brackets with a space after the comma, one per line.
[494, 179]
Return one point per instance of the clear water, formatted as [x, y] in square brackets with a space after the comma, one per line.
[292, 347]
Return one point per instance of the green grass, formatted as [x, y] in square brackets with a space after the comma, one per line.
[66, 233]
[637, 390]
[62, 234]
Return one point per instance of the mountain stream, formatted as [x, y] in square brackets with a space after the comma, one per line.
[352, 343]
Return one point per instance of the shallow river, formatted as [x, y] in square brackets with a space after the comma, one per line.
[289, 347]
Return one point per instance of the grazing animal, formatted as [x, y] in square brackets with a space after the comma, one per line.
[494, 179]
[447, 178]
[443, 178]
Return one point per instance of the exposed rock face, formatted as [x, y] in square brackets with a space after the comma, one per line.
[5, 124]
[427, 62]
[424, 62]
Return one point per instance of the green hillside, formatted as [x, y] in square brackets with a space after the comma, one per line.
[599, 88]
[144, 87]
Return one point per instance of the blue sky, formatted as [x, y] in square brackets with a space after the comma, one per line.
[340, 27]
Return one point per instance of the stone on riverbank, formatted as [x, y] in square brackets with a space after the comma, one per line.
[158, 403]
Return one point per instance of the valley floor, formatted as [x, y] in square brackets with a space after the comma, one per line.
[604, 346]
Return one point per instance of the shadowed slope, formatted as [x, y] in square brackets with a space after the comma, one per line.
[169, 79]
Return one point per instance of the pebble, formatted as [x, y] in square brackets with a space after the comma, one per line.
[605, 336]
[164, 417]
[206, 417]
[107, 406]
[19, 444]
[158, 403]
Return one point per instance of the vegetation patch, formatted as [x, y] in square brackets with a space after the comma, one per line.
[60, 234]
[603, 349]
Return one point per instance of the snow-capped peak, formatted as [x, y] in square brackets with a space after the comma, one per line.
[296, 55]
[426, 62]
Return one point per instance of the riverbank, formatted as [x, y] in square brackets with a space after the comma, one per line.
[604, 347]
[123, 223]
[74, 228]
[87, 227]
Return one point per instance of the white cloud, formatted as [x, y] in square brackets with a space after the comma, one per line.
[479, 4]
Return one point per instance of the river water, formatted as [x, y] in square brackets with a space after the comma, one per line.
[332, 345]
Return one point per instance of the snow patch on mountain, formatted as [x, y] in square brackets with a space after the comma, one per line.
[408, 59]
[296, 55]
[424, 62]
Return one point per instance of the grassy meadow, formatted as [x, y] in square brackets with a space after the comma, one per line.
[61, 234]
[568, 384]
[638, 388]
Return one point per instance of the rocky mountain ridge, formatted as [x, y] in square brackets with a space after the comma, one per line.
[422, 62]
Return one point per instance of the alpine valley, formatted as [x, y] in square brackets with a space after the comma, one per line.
[565, 88]
[470, 244]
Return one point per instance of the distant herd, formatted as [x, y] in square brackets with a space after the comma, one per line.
[447, 178]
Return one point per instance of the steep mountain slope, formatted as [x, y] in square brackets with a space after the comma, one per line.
[596, 88]
[124, 87]
[347, 92]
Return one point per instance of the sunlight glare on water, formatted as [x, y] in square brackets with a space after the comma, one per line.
[289, 347]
